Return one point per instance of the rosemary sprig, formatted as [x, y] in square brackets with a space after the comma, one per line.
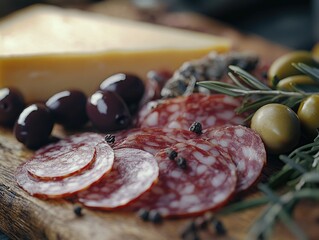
[300, 169]
[256, 93]
[300, 172]
[310, 71]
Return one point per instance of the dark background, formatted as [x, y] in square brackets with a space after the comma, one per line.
[292, 23]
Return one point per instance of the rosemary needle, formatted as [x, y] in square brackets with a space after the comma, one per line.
[256, 93]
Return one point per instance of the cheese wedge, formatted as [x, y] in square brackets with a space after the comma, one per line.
[46, 49]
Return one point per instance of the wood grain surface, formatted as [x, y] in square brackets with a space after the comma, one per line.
[26, 217]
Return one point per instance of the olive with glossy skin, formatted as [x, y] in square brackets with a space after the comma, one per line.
[11, 105]
[278, 126]
[288, 83]
[107, 111]
[69, 108]
[34, 126]
[128, 86]
[308, 113]
[282, 67]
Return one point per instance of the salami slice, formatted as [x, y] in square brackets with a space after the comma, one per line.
[206, 183]
[214, 150]
[134, 172]
[163, 113]
[71, 141]
[64, 158]
[181, 112]
[58, 166]
[147, 142]
[179, 135]
[246, 149]
[210, 111]
[70, 185]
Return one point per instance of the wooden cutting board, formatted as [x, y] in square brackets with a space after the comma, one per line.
[26, 217]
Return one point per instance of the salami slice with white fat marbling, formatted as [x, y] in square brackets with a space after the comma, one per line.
[179, 135]
[205, 184]
[181, 112]
[161, 113]
[214, 150]
[210, 111]
[134, 172]
[64, 158]
[246, 149]
[150, 143]
[68, 186]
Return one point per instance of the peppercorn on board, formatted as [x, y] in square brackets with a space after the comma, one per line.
[22, 216]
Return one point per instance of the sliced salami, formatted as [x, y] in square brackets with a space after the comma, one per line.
[214, 150]
[147, 142]
[181, 112]
[245, 148]
[134, 172]
[205, 183]
[68, 186]
[71, 141]
[163, 113]
[58, 166]
[210, 111]
[64, 158]
[179, 135]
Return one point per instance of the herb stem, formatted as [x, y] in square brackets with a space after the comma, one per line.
[278, 93]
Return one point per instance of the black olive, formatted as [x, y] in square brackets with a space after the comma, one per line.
[128, 86]
[107, 111]
[11, 105]
[34, 126]
[69, 108]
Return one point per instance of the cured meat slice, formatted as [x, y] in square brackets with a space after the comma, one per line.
[71, 141]
[61, 165]
[162, 113]
[245, 148]
[206, 183]
[70, 185]
[64, 158]
[214, 150]
[179, 135]
[147, 142]
[210, 111]
[181, 112]
[134, 172]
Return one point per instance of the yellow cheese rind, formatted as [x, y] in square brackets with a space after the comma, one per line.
[43, 61]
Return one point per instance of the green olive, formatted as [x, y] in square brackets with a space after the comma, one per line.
[282, 67]
[308, 113]
[288, 83]
[278, 127]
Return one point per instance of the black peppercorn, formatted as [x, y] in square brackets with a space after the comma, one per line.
[78, 211]
[219, 227]
[181, 162]
[110, 139]
[143, 214]
[154, 216]
[171, 154]
[196, 127]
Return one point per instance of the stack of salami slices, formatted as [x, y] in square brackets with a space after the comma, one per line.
[160, 165]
